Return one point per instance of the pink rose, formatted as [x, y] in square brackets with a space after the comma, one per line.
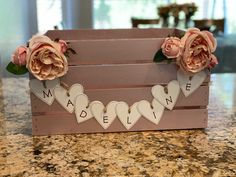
[19, 56]
[213, 61]
[45, 59]
[63, 46]
[171, 47]
[197, 50]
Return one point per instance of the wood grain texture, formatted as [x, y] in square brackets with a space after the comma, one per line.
[176, 119]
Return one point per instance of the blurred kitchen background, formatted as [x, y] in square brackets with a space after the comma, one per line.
[20, 19]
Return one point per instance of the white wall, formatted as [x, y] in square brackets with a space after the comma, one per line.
[18, 23]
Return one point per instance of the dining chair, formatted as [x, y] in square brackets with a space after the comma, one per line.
[206, 24]
[136, 22]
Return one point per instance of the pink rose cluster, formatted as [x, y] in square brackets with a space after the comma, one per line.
[43, 57]
[193, 52]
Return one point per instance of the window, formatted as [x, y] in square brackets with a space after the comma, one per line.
[118, 13]
[49, 14]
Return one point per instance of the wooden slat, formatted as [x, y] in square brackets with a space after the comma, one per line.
[130, 95]
[114, 51]
[176, 119]
[121, 76]
[85, 34]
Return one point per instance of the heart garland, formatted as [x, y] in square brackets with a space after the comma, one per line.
[73, 99]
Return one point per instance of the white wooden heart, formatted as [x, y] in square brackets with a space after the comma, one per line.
[152, 112]
[167, 99]
[44, 94]
[66, 98]
[82, 108]
[104, 118]
[127, 118]
[189, 84]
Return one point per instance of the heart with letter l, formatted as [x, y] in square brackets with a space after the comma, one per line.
[66, 98]
[44, 92]
[189, 84]
[169, 97]
[153, 112]
[104, 116]
[82, 108]
[127, 115]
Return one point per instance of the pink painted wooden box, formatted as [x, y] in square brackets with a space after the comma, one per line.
[118, 65]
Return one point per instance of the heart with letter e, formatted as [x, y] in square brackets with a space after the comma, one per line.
[44, 91]
[168, 95]
[104, 115]
[189, 84]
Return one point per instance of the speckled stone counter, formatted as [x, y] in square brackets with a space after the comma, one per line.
[207, 152]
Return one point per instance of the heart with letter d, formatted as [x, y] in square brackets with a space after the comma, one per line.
[127, 115]
[104, 115]
[66, 98]
[82, 108]
[44, 92]
[153, 112]
[169, 97]
[189, 84]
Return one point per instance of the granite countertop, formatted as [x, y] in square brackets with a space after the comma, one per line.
[203, 152]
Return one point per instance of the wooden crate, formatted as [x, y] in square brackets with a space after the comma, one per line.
[118, 65]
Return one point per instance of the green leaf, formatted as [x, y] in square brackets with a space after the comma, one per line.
[16, 69]
[159, 57]
[169, 61]
[72, 51]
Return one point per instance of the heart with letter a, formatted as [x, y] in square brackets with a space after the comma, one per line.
[44, 91]
[168, 95]
[66, 98]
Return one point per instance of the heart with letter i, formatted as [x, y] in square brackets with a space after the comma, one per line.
[66, 98]
[127, 115]
[168, 95]
[82, 108]
[189, 84]
[153, 112]
[104, 115]
[44, 91]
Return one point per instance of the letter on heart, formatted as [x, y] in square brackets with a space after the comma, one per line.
[151, 112]
[127, 118]
[167, 99]
[104, 118]
[189, 84]
[66, 98]
[44, 94]
[82, 108]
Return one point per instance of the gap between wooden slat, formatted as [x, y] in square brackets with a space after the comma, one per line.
[63, 113]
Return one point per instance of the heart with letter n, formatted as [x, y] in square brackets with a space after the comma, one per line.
[168, 95]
